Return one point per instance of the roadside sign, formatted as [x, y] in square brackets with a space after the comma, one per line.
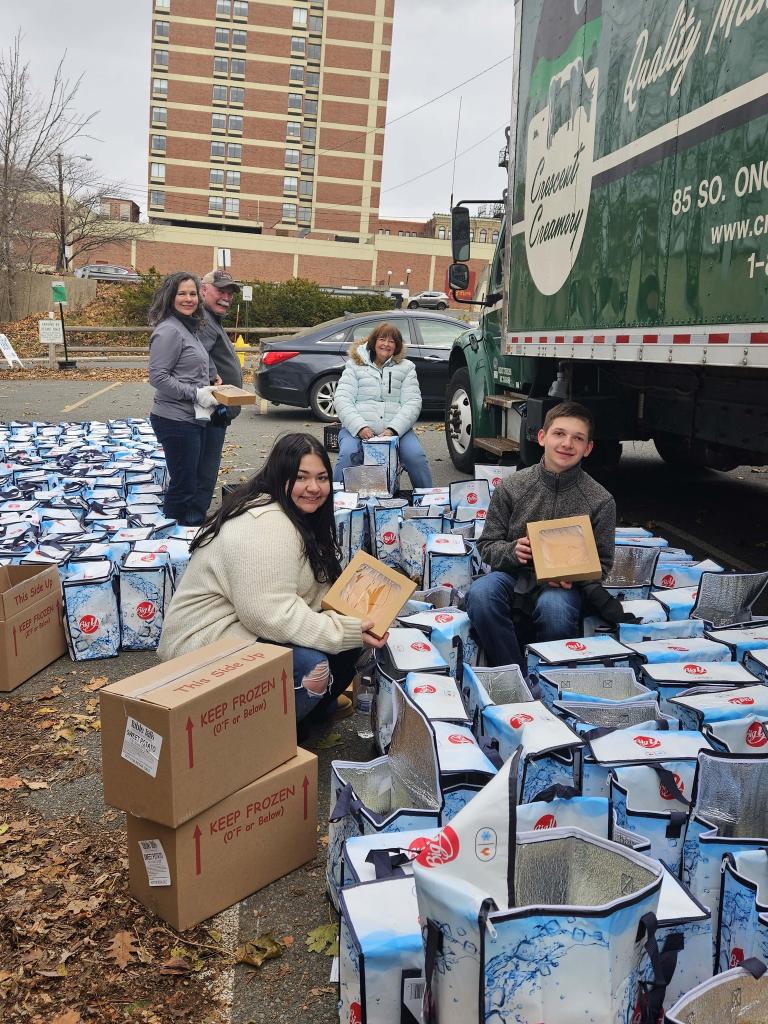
[50, 332]
[247, 293]
[9, 353]
[59, 291]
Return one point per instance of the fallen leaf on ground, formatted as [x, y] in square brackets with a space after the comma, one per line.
[323, 939]
[96, 683]
[70, 1017]
[9, 869]
[32, 784]
[121, 949]
[12, 782]
[256, 951]
[286, 940]
[331, 739]
[55, 691]
[176, 965]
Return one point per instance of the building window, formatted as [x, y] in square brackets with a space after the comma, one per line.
[292, 158]
[495, 237]
[233, 180]
[234, 152]
[223, 8]
[309, 135]
[157, 172]
[294, 101]
[221, 67]
[159, 116]
[310, 108]
[312, 80]
[162, 30]
[221, 38]
[160, 60]
[483, 235]
[237, 66]
[308, 162]
[157, 144]
[305, 188]
[298, 46]
[157, 200]
[315, 24]
[160, 88]
[239, 39]
[471, 234]
[235, 124]
[290, 184]
[299, 17]
[125, 211]
[215, 205]
[163, 6]
[296, 74]
[305, 215]
[216, 177]
[240, 10]
[440, 232]
[289, 211]
[293, 130]
[387, 231]
[232, 207]
[401, 234]
[220, 94]
[218, 124]
[105, 209]
[236, 96]
[217, 151]
[313, 51]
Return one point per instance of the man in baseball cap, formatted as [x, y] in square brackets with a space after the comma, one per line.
[218, 288]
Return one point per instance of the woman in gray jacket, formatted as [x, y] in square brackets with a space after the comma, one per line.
[379, 395]
[181, 373]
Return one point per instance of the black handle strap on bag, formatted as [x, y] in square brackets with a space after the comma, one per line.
[557, 791]
[433, 947]
[458, 644]
[490, 747]
[754, 966]
[663, 964]
[350, 805]
[512, 786]
[388, 863]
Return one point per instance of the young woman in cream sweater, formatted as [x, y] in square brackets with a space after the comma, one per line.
[260, 567]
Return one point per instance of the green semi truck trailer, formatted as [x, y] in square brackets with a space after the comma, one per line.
[631, 273]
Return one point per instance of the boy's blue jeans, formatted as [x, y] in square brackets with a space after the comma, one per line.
[489, 602]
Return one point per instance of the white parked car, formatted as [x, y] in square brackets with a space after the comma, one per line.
[428, 300]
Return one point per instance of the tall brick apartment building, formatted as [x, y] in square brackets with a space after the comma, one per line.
[266, 136]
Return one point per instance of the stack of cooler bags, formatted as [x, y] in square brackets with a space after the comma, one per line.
[88, 497]
[552, 845]
[201, 753]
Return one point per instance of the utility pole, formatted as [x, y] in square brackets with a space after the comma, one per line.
[61, 259]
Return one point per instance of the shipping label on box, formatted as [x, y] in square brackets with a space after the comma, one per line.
[234, 848]
[31, 631]
[179, 737]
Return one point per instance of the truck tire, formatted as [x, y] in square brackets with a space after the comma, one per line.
[458, 422]
[678, 451]
[321, 398]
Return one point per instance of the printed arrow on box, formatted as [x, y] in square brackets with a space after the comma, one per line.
[285, 692]
[190, 746]
[305, 787]
[198, 860]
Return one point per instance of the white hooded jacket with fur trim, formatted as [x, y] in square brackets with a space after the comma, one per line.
[367, 396]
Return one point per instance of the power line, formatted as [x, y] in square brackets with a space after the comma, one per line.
[445, 163]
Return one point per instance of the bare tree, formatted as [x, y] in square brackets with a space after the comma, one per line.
[33, 129]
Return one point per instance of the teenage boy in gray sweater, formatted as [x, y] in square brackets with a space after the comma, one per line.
[558, 486]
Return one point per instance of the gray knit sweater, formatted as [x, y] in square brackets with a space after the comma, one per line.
[533, 494]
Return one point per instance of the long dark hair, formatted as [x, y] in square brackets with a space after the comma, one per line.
[274, 482]
[162, 301]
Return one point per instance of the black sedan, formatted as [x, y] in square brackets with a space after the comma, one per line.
[303, 369]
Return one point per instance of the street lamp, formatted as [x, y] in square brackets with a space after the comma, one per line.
[407, 275]
[62, 258]
[389, 278]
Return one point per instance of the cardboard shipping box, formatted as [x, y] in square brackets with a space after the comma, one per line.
[231, 850]
[31, 630]
[181, 736]
[564, 549]
[230, 394]
[368, 589]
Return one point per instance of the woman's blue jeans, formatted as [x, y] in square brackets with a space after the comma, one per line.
[411, 456]
[342, 672]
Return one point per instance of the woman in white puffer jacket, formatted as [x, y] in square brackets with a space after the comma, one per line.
[379, 395]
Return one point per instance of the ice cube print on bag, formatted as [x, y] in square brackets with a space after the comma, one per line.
[91, 614]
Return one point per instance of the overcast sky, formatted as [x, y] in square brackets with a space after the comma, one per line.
[437, 45]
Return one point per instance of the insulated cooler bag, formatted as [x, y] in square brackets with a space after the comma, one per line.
[590, 684]
[739, 996]
[672, 678]
[91, 611]
[146, 586]
[585, 651]
[483, 686]
[743, 906]
[406, 650]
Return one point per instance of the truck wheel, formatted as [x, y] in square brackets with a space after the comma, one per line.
[458, 422]
[678, 451]
[322, 399]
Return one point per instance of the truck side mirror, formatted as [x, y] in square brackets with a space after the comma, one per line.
[458, 277]
[460, 233]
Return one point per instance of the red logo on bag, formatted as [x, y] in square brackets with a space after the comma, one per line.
[648, 742]
[443, 618]
[574, 645]
[545, 821]
[518, 721]
[355, 1013]
[741, 700]
[163, 547]
[425, 689]
[668, 581]
[694, 594]
[471, 498]
[440, 850]
[496, 481]
[456, 738]
[694, 670]
[442, 540]
[664, 792]
[149, 557]
[756, 735]
[481, 513]
[737, 957]
[389, 537]
[420, 647]
[89, 624]
[672, 647]
[146, 611]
